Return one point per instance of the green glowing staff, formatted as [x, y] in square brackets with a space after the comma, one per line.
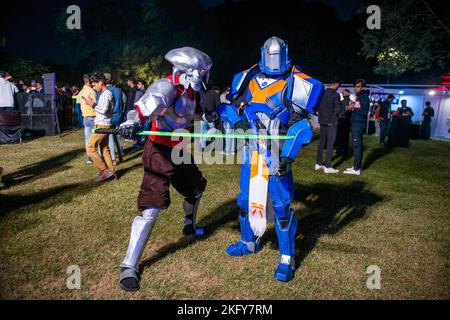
[199, 135]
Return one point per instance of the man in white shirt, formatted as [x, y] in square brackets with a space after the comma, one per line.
[103, 117]
[7, 92]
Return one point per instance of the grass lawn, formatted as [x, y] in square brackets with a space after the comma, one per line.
[396, 216]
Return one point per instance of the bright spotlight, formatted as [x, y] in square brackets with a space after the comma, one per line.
[401, 92]
[432, 93]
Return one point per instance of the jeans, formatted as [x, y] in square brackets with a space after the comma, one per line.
[114, 142]
[230, 143]
[88, 126]
[385, 126]
[327, 137]
[357, 140]
[204, 127]
[78, 116]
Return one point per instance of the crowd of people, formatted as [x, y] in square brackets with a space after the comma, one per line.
[100, 103]
[343, 114]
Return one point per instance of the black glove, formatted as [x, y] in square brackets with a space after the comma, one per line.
[213, 117]
[242, 125]
[285, 166]
[130, 132]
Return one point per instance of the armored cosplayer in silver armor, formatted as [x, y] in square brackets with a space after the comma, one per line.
[169, 104]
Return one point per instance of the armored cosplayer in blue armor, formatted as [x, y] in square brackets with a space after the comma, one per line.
[273, 98]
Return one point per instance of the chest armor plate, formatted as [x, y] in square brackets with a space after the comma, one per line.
[179, 115]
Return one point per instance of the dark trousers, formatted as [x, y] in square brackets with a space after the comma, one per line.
[357, 141]
[327, 137]
[385, 126]
[160, 172]
[425, 130]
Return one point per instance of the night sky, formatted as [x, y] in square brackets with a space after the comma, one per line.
[30, 33]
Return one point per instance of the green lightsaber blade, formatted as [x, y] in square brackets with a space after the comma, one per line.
[199, 135]
[214, 135]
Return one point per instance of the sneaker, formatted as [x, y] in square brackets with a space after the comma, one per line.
[319, 167]
[105, 175]
[353, 171]
[88, 160]
[330, 170]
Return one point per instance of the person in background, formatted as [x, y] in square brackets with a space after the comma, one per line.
[140, 90]
[39, 87]
[117, 119]
[210, 103]
[103, 118]
[8, 92]
[87, 112]
[329, 109]
[343, 128]
[405, 111]
[425, 128]
[131, 83]
[385, 118]
[375, 114]
[359, 124]
[223, 96]
[33, 85]
[20, 85]
[77, 107]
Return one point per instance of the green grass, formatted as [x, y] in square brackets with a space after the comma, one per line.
[396, 216]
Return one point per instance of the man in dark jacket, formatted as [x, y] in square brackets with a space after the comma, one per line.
[427, 114]
[385, 118]
[359, 124]
[329, 109]
[405, 111]
[131, 95]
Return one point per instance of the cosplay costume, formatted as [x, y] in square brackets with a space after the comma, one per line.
[273, 97]
[169, 104]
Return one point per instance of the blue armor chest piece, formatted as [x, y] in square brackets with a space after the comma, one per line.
[265, 97]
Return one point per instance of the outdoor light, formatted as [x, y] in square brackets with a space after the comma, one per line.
[432, 93]
[401, 92]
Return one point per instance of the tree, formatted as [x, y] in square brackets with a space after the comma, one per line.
[412, 37]
[24, 69]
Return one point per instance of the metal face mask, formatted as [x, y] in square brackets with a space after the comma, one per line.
[193, 63]
[274, 57]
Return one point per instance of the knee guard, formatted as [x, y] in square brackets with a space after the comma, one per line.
[190, 207]
[140, 233]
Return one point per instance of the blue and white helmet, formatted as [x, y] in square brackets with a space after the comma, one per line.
[274, 57]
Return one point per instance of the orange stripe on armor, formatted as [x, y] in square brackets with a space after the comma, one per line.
[254, 164]
[261, 95]
[303, 76]
[254, 168]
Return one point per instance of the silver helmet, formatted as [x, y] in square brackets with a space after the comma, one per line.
[274, 57]
[195, 64]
